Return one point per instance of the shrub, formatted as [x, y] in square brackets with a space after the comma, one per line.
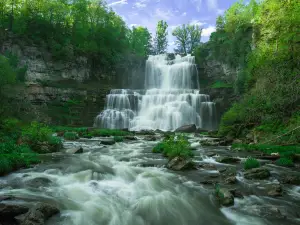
[221, 84]
[174, 146]
[118, 139]
[71, 136]
[108, 133]
[13, 156]
[251, 163]
[284, 162]
[36, 132]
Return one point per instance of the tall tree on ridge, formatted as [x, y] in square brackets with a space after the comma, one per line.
[160, 40]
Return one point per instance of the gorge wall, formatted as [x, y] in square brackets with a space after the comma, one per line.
[66, 92]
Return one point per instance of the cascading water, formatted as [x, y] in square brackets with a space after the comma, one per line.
[172, 99]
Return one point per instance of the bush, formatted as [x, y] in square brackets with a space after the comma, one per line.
[71, 136]
[13, 156]
[284, 162]
[36, 132]
[118, 139]
[251, 163]
[174, 146]
[221, 84]
[108, 133]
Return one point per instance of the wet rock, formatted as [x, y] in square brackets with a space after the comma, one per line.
[130, 138]
[77, 150]
[225, 197]
[208, 182]
[38, 215]
[214, 175]
[257, 173]
[266, 211]
[10, 210]
[194, 146]
[146, 132]
[180, 163]
[296, 157]
[231, 180]
[207, 166]
[108, 142]
[227, 159]
[211, 154]
[236, 193]
[291, 179]
[275, 190]
[150, 138]
[237, 141]
[222, 170]
[187, 129]
[210, 142]
[38, 182]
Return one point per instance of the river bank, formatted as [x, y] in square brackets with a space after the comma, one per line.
[126, 183]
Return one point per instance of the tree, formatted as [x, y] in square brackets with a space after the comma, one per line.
[160, 40]
[188, 38]
[140, 41]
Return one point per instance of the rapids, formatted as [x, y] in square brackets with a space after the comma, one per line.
[127, 184]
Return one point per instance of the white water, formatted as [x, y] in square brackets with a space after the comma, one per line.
[172, 99]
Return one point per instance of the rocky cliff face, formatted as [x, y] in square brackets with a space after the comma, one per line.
[68, 92]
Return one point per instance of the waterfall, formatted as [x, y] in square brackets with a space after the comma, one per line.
[172, 99]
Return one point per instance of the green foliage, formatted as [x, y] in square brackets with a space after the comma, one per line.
[140, 41]
[7, 73]
[287, 162]
[284, 151]
[71, 136]
[187, 38]
[251, 163]
[13, 156]
[174, 146]
[118, 139]
[36, 132]
[221, 84]
[161, 38]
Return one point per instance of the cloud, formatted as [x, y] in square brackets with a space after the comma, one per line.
[197, 22]
[198, 4]
[212, 4]
[206, 32]
[121, 2]
[163, 14]
[140, 4]
[183, 14]
[220, 11]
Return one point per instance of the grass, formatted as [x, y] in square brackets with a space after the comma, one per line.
[174, 146]
[71, 136]
[251, 163]
[286, 162]
[284, 151]
[221, 84]
[109, 133]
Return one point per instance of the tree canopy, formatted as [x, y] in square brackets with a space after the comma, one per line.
[161, 38]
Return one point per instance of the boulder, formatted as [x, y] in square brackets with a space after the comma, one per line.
[211, 154]
[225, 197]
[194, 146]
[180, 163]
[37, 215]
[230, 180]
[38, 182]
[275, 190]
[227, 159]
[291, 179]
[266, 211]
[145, 132]
[10, 210]
[187, 129]
[150, 138]
[210, 142]
[130, 138]
[108, 142]
[76, 150]
[257, 173]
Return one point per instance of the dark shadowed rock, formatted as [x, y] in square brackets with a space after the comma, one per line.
[108, 142]
[227, 159]
[187, 129]
[257, 173]
[130, 138]
[275, 190]
[77, 150]
[38, 215]
[291, 179]
[225, 197]
[38, 182]
[150, 138]
[231, 180]
[179, 163]
[10, 210]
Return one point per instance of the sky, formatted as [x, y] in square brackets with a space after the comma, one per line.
[147, 13]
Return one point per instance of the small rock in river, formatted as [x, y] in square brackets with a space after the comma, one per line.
[230, 180]
[227, 159]
[179, 163]
[225, 196]
[257, 173]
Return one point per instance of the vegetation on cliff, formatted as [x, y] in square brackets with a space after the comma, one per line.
[260, 40]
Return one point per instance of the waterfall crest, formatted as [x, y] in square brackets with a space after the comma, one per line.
[172, 99]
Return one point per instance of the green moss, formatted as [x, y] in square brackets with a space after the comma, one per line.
[251, 163]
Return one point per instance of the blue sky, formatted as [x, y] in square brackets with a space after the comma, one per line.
[147, 12]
